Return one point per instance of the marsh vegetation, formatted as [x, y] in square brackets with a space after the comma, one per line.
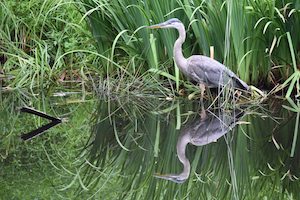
[94, 62]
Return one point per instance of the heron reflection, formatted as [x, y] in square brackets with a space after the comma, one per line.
[199, 132]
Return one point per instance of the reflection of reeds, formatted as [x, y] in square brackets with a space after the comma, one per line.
[245, 165]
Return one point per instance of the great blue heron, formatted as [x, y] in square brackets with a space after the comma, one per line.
[201, 132]
[202, 69]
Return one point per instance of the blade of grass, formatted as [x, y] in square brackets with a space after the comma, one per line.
[295, 135]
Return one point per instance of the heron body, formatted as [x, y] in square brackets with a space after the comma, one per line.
[201, 69]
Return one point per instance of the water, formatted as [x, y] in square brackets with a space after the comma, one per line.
[135, 148]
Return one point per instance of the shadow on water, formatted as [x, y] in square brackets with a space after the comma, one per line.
[234, 154]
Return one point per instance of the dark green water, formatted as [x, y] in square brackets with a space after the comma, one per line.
[123, 148]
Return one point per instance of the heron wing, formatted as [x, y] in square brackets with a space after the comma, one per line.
[205, 70]
[214, 126]
[212, 73]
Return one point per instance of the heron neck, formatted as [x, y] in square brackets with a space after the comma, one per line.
[183, 140]
[177, 51]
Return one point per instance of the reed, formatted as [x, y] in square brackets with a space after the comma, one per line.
[253, 35]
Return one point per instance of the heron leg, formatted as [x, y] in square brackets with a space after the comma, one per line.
[236, 95]
[202, 90]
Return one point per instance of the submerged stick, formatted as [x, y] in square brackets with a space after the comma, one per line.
[40, 130]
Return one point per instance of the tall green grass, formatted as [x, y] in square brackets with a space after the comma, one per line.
[252, 33]
[35, 37]
[42, 41]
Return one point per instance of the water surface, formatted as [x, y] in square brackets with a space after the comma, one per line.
[147, 148]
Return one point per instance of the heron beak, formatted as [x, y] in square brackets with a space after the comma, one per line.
[156, 26]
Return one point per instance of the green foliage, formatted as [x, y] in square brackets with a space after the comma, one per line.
[40, 41]
[34, 37]
[251, 33]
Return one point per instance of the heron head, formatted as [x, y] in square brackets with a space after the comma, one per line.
[171, 23]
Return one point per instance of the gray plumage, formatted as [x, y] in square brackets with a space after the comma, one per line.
[201, 69]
